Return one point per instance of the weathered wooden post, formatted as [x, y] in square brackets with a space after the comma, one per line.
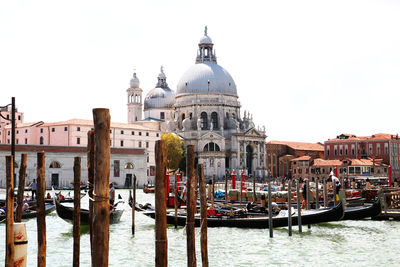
[298, 206]
[290, 206]
[308, 198]
[254, 189]
[226, 187]
[203, 213]
[270, 223]
[325, 194]
[176, 200]
[241, 192]
[90, 165]
[191, 208]
[10, 252]
[213, 190]
[161, 205]
[133, 204]
[316, 193]
[101, 205]
[77, 210]
[40, 210]
[21, 187]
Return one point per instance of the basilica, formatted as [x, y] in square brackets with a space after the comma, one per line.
[204, 112]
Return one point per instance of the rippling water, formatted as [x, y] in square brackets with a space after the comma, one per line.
[349, 243]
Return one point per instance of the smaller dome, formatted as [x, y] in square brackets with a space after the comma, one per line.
[134, 81]
[205, 40]
[159, 98]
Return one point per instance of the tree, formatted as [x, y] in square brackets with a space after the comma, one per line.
[174, 150]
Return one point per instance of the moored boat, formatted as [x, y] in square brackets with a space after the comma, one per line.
[67, 213]
[31, 213]
[249, 221]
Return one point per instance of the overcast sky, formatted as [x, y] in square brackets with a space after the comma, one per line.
[307, 70]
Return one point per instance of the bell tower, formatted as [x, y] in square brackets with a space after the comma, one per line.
[134, 100]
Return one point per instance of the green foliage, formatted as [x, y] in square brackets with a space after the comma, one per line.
[174, 150]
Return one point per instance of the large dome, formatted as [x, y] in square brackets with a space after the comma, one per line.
[206, 77]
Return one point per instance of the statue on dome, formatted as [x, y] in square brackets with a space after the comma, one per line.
[205, 30]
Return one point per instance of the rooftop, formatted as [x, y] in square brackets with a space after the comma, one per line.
[299, 145]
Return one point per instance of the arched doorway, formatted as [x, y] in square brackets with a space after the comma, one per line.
[249, 159]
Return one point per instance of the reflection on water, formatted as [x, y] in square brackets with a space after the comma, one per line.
[335, 243]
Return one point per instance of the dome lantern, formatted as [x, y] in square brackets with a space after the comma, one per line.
[134, 81]
[206, 53]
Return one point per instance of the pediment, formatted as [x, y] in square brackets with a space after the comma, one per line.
[212, 136]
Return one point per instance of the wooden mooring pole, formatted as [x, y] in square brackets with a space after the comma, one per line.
[21, 187]
[213, 189]
[161, 257]
[270, 223]
[40, 210]
[325, 194]
[308, 198]
[290, 206]
[203, 213]
[176, 200]
[90, 164]
[316, 193]
[226, 187]
[191, 208]
[9, 262]
[77, 210]
[133, 204]
[298, 206]
[101, 205]
[254, 189]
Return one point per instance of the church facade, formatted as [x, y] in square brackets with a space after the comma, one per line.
[205, 112]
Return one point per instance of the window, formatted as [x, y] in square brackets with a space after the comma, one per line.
[26, 141]
[53, 129]
[328, 152]
[26, 131]
[341, 151]
[55, 164]
[140, 143]
[183, 116]
[122, 132]
[294, 170]
[148, 159]
[204, 122]
[122, 143]
[147, 144]
[345, 151]
[140, 133]
[386, 148]
[8, 133]
[16, 141]
[19, 117]
[162, 115]
[335, 152]
[190, 115]
[133, 133]
[65, 129]
[78, 141]
[17, 132]
[41, 140]
[78, 129]
[147, 134]
[157, 134]
[307, 170]
[41, 130]
[214, 120]
[211, 147]
[352, 151]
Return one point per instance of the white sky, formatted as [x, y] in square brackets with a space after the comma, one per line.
[307, 70]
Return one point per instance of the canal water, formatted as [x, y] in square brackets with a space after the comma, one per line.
[346, 243]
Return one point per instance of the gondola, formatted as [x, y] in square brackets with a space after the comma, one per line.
[361, 212]
[248, 221]
[31, 213]
[67, 213]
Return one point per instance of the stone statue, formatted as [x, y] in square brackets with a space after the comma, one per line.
[186, 125]
[199, 124]
[211, 126]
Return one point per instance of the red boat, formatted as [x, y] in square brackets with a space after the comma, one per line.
[149, 189]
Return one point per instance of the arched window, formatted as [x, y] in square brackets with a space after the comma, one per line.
[183, 116]
[55, 164]
[214, 120]
[41, 140]
[211, 147]
[204, 122]
[128, 166]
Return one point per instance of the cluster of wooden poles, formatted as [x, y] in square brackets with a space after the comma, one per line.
[99, 207]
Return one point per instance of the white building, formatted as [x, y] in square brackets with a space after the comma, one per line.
[59, 162]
